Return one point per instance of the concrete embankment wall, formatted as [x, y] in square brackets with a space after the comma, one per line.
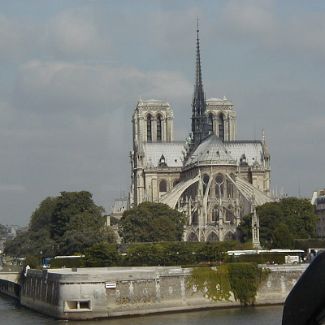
[107, 292]
[9, 284]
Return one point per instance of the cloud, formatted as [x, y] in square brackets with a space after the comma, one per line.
[259, 22]
[77, 33]
[12, 188]
[249, 18]
[15, 38]
[91, 89]
[71, 34]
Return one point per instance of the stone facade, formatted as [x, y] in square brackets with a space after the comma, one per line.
[212, 177]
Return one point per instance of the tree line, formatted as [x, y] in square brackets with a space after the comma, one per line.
[63, 225]
[72, 223]
[282, 223]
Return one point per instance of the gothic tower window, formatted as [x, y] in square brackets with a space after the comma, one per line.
[221, 127]
[159, 123]
[149, 128]
[210, 124]
[163, 186]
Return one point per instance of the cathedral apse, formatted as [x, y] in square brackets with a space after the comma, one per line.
[213, 177]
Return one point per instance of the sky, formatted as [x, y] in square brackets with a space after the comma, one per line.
[72, 72]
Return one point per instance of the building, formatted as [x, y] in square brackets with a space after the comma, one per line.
[318, 201]
[213, 177]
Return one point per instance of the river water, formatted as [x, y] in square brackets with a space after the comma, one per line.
[13, 314]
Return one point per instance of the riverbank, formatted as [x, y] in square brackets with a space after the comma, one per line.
[88, 293]
[14, 314]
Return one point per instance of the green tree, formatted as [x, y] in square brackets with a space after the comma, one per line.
[102, 254]
[151, 222]
[282, 222]
[41, 217]
[63, 225]
[69, 206]
[19, 246]
[3, 231]
[282, 237]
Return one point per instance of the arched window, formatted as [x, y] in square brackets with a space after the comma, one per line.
[163, 186]
[221, 127]
[229, 236]
[213, 237]
[205, 180]
[220, 180]
[159, 122]
[210, 123]
[215, 213]
[192, 237]
[230, 189]
[195, 218]
[149, 128]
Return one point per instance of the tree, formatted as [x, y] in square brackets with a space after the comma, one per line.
[41, 217]
[63, 225]
[282, 237]
[69, 206]
[151, 222]
[102, 254]
[3, 231]
[282, 222]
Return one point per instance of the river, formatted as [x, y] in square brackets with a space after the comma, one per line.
[14, 314]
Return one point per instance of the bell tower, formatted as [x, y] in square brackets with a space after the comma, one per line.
[152, 122]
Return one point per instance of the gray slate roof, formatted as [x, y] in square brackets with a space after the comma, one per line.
[172, 151]
[211, 151]
[253, 151]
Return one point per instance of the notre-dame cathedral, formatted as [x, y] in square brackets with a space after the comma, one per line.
[212, 177]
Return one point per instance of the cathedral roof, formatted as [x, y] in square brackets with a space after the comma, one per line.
[173, 153]
[152, 102]
[210, 152]
[219, 101]
[253, 151]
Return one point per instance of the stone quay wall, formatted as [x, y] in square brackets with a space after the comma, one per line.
[88, 293]
[9, 284]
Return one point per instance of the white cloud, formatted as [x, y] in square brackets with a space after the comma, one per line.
[74, 34]
[60, 86]
[249, 17]
[259, 22]
[15, 38]
[12, 188]
[77, 33]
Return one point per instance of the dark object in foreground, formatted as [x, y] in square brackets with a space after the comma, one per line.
[305, 305]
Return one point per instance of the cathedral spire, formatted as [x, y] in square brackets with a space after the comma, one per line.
[198, 76]
[199, 126]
